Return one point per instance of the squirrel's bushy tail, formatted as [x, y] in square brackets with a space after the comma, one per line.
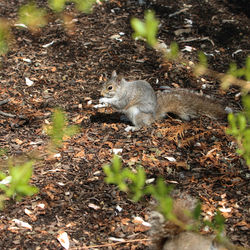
[187, 105]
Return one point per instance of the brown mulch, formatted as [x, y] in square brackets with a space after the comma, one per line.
[69, 73]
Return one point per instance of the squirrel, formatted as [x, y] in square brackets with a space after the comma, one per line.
[142, 105]
[166, 235]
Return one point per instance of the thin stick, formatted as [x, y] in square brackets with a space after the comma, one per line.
[4, 101]
[7, 114]
[12, 116]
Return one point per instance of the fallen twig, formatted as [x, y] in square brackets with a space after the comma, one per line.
[4, 101]
[11, 116]
[7, 114]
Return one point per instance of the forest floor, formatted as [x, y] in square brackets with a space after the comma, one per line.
[73, 196]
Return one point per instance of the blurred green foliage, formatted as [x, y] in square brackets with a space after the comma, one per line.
[116, 175]
[3, 151]
[201, 67]
[4, 37]
[32, 16]
[240, 129]
[35, 17]
[134, 183]
[16, 184]
[235, 72]
[59, 129]
[147, 29]
[81, 5]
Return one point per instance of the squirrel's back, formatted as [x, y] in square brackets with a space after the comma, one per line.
[187, 104]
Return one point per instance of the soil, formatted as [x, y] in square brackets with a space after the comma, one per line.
[73, 196]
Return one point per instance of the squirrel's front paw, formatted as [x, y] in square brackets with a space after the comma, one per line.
[101, 105]
[131, 128]
[103, 100]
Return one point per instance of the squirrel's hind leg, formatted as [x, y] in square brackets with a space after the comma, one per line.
[184, 117]
[138, 118]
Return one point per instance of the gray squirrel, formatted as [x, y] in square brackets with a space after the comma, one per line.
[142, 105]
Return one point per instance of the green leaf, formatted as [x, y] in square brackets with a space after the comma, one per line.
[139, 28]
[20, 177]
[247, 71]
[197, 211]
[114, 174]
[174, 50]
[84, 5]
[59, 128]
[4, 37]
[147, 29]
[233, 69]
[32, 16]
[2, 176]
[140, 177]
[202, 59]
[219, 221]
[151, 27]
[57, 5]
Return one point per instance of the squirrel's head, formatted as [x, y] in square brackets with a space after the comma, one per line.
[110, 87]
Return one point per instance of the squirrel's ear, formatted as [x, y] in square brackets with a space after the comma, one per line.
[123, 80]
[114, 75]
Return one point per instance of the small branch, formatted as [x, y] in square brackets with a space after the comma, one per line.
[7, 114]
[11, 116]
[4, 101]
[197, 39]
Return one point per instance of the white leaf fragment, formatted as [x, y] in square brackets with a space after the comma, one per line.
[172, 159]
[27, 60]
[27, 211]
[89, 102]
[23, 224]
[48, 44]
[236, 52]
[6, 180]
[116, 239]
[116, 37]
[188, 21]
[118, 208]
[63, 239]
[97, 172]
[148, 181]
[225, 210]
[28, 82]
[58, 155]
[60, 183]
[188, 49]
[139, 220]
[95, 207]
[41, 206]
[117, 150]
[21, 25]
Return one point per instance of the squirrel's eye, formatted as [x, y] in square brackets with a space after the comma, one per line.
[110, 87]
